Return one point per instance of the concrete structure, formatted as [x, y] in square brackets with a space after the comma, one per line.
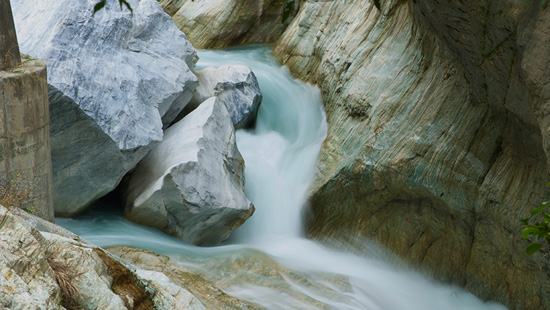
[25, 158]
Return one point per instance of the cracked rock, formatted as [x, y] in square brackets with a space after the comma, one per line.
[234, 85]
[191, 184]
[122, 75]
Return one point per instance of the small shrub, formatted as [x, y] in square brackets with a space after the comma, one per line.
[12, 195]
[537, 225]
[65, 275]
[101, 4]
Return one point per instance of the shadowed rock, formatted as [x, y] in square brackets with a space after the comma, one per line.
[234, 85]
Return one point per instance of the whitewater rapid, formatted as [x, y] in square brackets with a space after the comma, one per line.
[280, 156]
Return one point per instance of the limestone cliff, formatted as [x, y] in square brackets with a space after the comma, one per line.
[439, 122]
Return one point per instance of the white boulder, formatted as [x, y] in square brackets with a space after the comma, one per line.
[191, 184]
[131, 73]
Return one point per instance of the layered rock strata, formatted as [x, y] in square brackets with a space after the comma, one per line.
[223, 23]
[210, 295]
[44, 266]
[438, 129]
[223, 280]
[191, 185]
[129, 72]
[234, 85]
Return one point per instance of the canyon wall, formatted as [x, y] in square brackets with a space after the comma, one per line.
[223, 23]
[438, 133]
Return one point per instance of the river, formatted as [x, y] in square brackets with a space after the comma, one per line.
[268, 261]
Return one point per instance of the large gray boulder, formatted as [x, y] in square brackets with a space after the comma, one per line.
[191, 184]
[130, 73]
[236, 86]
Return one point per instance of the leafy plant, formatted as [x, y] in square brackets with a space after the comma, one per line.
[538, 226]
[287, 9]
[377, 4]
[101, 4]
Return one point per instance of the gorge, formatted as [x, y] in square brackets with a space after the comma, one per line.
[434, 146]
[280, 154]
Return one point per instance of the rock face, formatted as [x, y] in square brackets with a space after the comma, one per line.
[130, 73]
[25, 160]
[236, 86]
[215, 278]
[222, 23]
[46, 267]
[438, 117]
[191, 184]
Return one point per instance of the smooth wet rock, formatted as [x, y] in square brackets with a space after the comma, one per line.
[191, 184]
[438, 134]
[223, 23]
[131, 74]
[245, 279]
[234, 85]
[211, 296]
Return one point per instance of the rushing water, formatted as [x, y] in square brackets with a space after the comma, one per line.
[280, 155]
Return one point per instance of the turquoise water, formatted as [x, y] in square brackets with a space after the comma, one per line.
[280, 155]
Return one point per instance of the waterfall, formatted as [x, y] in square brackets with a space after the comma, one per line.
[280, 155]
[281, 151]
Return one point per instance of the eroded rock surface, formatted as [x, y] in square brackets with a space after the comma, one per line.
[223, 23]
[43, 266]
[210, 295]
[191, 184]
[437, 118]
[245, 279]
[234, 85]
[130, 73]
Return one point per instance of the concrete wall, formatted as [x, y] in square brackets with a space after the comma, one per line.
[25, 157]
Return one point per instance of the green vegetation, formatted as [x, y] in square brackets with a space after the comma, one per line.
[377, 4]
[287, 9]
[101, 4]
[537, 225]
